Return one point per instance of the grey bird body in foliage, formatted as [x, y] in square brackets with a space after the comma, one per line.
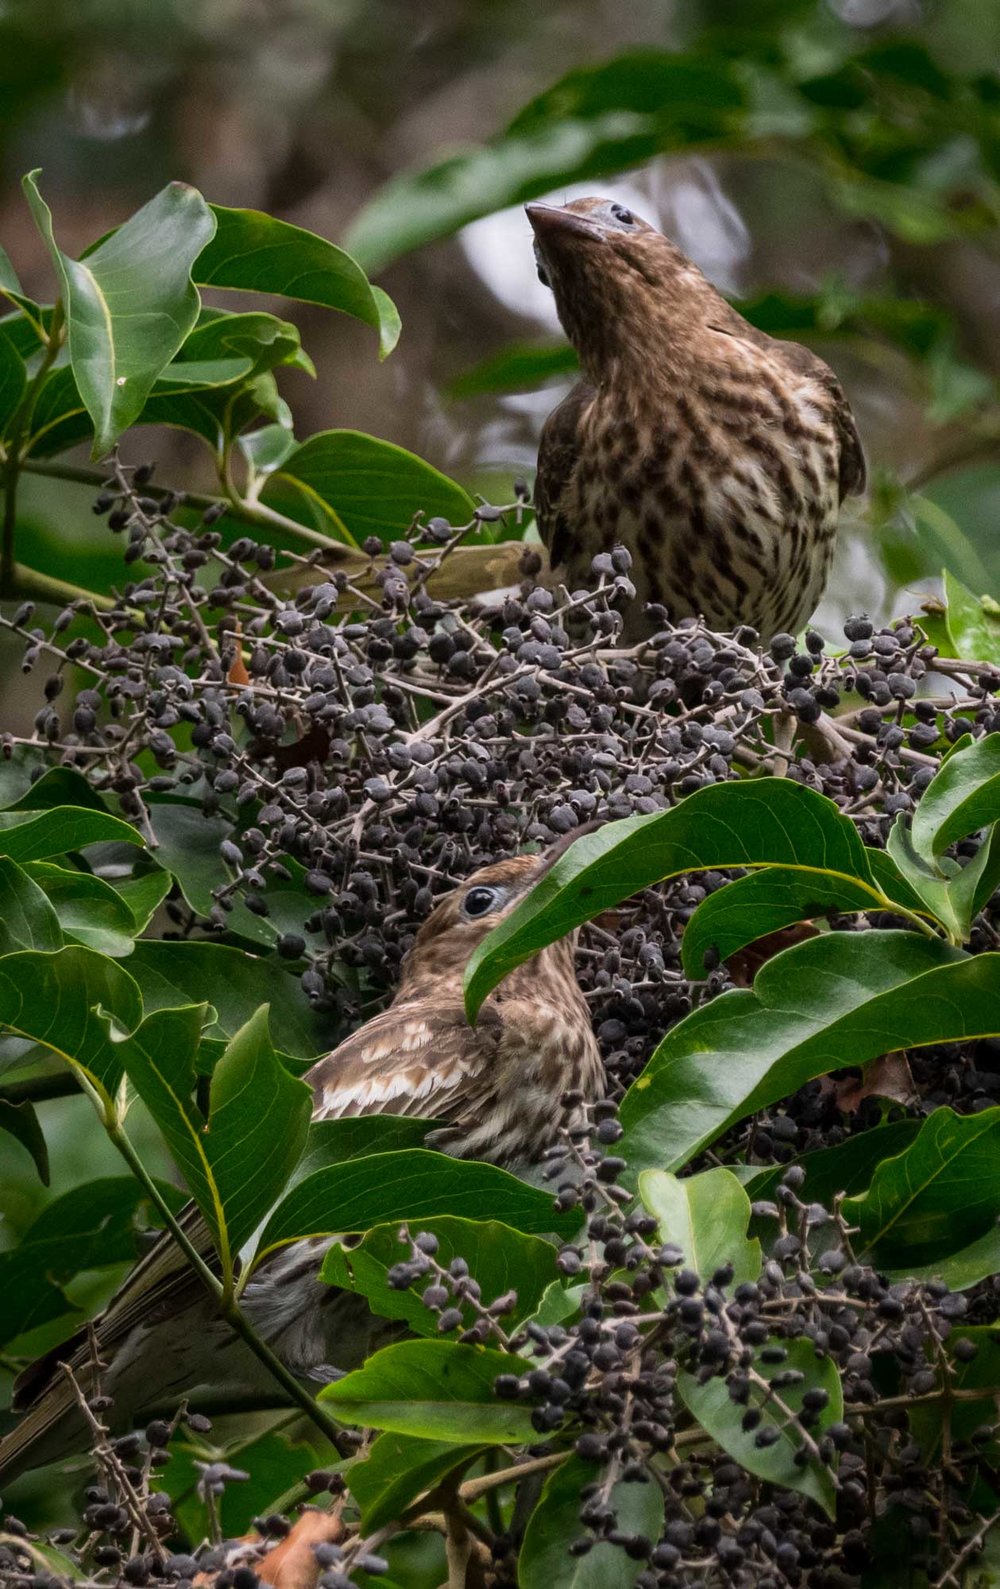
[496, 1087]
[718, 455]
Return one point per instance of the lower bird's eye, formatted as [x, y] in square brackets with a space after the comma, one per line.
[480, 901]
[623, 215]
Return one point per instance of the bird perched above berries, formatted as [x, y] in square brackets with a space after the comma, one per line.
[497, 1088]
[718, 455]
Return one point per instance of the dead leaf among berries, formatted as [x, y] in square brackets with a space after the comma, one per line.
[887, 1077]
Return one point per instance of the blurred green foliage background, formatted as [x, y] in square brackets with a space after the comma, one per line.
[833, 164]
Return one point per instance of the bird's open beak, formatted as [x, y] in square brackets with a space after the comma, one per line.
[551, 220]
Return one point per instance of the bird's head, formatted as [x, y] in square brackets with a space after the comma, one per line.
[618, 282]
[463, 918]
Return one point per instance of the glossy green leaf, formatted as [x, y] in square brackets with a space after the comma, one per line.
[925, 877]
[237, 1162]
[706, 1216]
[500, 1259]
[846, 1167]
[27, 919]
[360, 486]
[37, 836]
[143, 893]
[721, 1417]
[57, 786]
[963, 795]
[89, 910]
[436, 1390]
[760, 903]
[13, 381]
[554, 1525]
[130, 303]
[965, 1415]
[596, 120]
[358, 1137]
[764, 821]
[191, 375]
[20, 1121]
[234, 984]
[838, 999]
[397, 1470]
[411, 1185]
[254, 252]
[52, 999]
[90, 1227]
[940, 1193]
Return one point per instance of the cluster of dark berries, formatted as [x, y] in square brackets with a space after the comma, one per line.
[358, 744]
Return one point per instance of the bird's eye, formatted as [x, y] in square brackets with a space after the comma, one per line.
[622, 215]
[480, 901]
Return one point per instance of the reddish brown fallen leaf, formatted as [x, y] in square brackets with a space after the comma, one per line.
[887, 1077]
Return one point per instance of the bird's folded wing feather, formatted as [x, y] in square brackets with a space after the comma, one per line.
[558, 451]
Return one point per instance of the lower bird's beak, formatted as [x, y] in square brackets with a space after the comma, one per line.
[551, 220]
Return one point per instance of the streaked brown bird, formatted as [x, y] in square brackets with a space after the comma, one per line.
[716, 454]
[496, 1086]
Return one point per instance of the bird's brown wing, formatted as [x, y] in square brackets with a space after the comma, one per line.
[558, 451]
[418, 1058]
[853, 471]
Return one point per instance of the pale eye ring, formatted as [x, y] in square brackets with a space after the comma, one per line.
[622, 215]
[480, 901]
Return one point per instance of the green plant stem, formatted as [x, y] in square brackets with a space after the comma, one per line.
[14, 463]
[227, 1305]
[31, 583]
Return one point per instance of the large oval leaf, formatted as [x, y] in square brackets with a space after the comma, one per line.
[436, 1390]
[412, 1184]
[763, 822]
[254, 252]
[353, 485]
[130, 304]
[721, 1417]
[839, 999]
[555, 1524]
[706, 1216]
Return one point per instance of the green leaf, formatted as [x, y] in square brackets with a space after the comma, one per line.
[596, 120]
[27, 920]
[500, 1259]
[130, 304]
[254, 252]
[963, 795]
[191, 375]
[397, 1470]
[721, 1417]
[763, 902]
[965, 1416]
[237, 1162]
[554, 1525]
[57, 786]
[839, 999]
[51, 998]
[410, 1185]
[90, 1227]
[356, 486]
[20, 1121]
[940, 1193]
[37, 836]
[143, 893]
[233, 983]
[973, 626]
[436, 1390]
[847, 1167]
[706, 1216]
[13, 381]
[89, 910]
[358, 1137]
[765, 821]
[926, 879]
